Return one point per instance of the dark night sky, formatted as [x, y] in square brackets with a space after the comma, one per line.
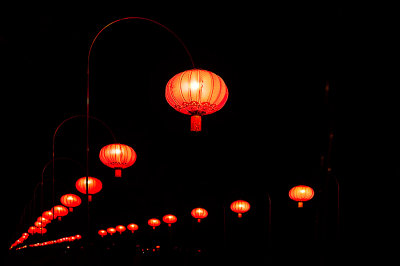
[269, 136]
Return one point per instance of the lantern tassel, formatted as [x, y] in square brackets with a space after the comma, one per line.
[90, 198]
[300, 204]
[239, 215]
[198, 220]
[118, 172]
[195, 123]
[70, 209]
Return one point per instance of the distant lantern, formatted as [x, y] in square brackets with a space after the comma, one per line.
[133, 227]
[199, 213]
[71, 201]
[32, 230]
[102, 233]
[59, 211]
[169, 219]
[240, 207]
[94, 186]
[48, 215]
[300, 194]
[38, 224]
[111, 230]
[154, 222]
[196, 92]
[117, 156]
[43, 221]
[120, 228]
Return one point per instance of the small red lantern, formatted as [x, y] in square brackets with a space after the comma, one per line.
[78, 237]
[120, 228]
[240, 206]
[102, 233]
[154, 222]
[117, 156]
[133, 227]
[199, 213]
[60, 211]
[70, 201]
[196, 92]
[43, 221]
[32, 230]
[48, 215]
[300, 194]
[94, 186]
[169, 219]
[111, 230]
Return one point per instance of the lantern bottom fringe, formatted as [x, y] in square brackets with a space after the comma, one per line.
[300, 204]
[118, 172]
[195, 123]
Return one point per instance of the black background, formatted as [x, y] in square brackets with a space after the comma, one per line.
[269, 136]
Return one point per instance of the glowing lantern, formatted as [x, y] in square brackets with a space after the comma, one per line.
[120, 228]
[300, 194]
[154, 222]
[38, 224]
[43, 221]
[196, 92]
[111, 230]
[70, 201]
[48, 215]
[60, 211]
[102, 233]
[94, 186]
[32, 230]
[199, 213]
[169, 219]
[240, 206]
[133, 227]
[117, 156]
[78, 237]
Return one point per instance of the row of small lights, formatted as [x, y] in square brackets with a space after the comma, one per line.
[52, 242]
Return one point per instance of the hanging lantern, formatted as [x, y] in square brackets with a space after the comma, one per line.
[199, 213]
[133, 227]
[300, 194]
[154, 222]
[94, 186]
[60, 211]
[111, 230]
[196, 92]
[48, 215]
[169, 219]
[43, 221]
[32, 230]
[120, 228]
[70, 201]
[240, 207]
[117, 156]
[38, 224]
[102, 233]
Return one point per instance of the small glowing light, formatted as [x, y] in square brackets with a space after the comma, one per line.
[194, 85]
[302, 191]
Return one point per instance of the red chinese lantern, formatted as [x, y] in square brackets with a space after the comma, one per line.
[300, 194]
[154, 222]
[38, 224]
[120, 228]
[32, 230]
[94, 186]
[169, 219]
[196, 92]
[59, 211]
[240, 207]
[199, 213]
[48, 215]
[133, 227]
[117, 156]
[43, 221]
[102, 233]
[111, 230]
[70, 201]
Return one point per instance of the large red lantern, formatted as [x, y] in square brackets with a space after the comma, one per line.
[120, 228]
[199, 213]
[240, 207]
[94, 186]
[111, 230]
[117, 156]
[70, 201]
[196, 92]
[300, 194]
[169, 219]
[154, 222]
[59, 211]
[102, 233]
[133, 227]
